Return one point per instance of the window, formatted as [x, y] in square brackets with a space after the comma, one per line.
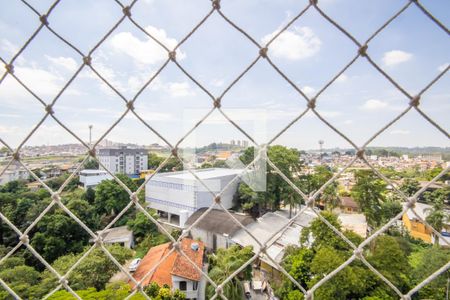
[183, 285]
[195, 285]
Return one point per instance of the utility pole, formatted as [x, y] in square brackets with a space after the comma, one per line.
[90, 134]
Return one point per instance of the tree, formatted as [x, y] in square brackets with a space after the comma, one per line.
[154, 161]
[172, 164]
[89, 195]
[425, 263]
[163, 293]
[437, 216]
[91, 164]
[110, 197]
[410, 187]
[58, 234]
[390, 260]
[288, 162]
[250, 200]
[20, 279]
[223, 264]
[95, 270]
[369, 192]
[141, 225]
[329, 196]
[113, 291]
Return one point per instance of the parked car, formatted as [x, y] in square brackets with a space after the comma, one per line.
[134, 264]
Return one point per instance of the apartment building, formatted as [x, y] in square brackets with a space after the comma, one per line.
[124, 160]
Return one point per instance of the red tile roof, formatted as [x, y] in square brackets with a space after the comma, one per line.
[175, 264]
[183, 267]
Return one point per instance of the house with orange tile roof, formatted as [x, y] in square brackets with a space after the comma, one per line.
[175, 270]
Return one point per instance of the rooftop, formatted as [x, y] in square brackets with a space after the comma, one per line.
[90, 172]
[116, 233]
[202, 173]
[218, 221]
[174, 264]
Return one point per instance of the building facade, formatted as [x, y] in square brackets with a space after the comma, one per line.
[91, 178]
[123, 160]
[177, 195]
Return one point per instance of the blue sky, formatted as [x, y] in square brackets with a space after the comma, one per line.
[413, 50]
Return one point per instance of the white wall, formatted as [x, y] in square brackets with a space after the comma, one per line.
[190, 292]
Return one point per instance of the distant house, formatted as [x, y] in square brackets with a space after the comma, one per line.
[91, 178]
[347, 205]
[14, 173]
[216, 227]
[419, 230]
[118, 235]
[177, 195]
[175, 271]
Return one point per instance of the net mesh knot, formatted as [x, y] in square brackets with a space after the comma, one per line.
[415, 101]
[43, 20]
[263, 52]
[363, 50]
[127, 11]
[216, 4]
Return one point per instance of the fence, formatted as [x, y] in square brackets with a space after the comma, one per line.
[262, 52]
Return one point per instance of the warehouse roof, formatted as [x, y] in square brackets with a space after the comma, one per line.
[218, 221]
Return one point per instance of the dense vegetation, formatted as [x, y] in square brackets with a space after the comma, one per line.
[60, 239]
[224, 263]
[403, 261]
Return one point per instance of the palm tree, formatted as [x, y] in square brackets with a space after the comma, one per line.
[224, 263]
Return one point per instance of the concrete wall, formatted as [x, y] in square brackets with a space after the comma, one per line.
[208, 237]
[417, 229]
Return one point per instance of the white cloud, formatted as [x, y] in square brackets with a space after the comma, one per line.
[442, 67]
[296, 44]
[348, 122]
[144, 51]
[400, 131]
[395, 57]
[374, 104]
[309, 91]
[42, 82]
[342, 78]
[8, 47]
[66, 62]
[8, 129]
[179, 89]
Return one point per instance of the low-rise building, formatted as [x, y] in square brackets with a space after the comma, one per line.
[176, 271]
[347, 205]
[118, 235]
[91, 178]
[216, 227]
[266, 229]
[418, 229]
[14, 173]
[177, 195]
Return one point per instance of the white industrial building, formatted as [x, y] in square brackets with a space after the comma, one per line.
[91, 178]
[14, 173]
[177, 195]
[123, 160]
